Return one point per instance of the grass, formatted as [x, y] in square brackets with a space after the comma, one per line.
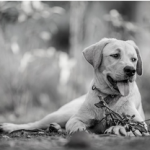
[41, 140]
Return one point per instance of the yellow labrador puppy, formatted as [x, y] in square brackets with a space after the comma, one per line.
[115, 64]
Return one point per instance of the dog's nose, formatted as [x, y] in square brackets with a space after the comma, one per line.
[130, 71]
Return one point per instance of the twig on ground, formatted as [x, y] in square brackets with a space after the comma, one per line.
[113, 118]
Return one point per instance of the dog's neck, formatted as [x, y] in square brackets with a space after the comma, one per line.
[102, 96]
[101, 84]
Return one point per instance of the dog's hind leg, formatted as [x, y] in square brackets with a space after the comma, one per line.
[57, 117]
[61, 116]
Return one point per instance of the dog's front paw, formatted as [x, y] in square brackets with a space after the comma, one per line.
[120, 130]
[117, 130]
[7, 127]
[74, 125]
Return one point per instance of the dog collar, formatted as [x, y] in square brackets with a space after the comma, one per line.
[108, 98]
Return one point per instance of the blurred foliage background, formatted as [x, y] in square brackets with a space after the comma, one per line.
[41, 43]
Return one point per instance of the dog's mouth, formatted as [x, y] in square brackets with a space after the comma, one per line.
[122, 86]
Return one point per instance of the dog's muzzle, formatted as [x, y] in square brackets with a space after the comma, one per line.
[122, 86]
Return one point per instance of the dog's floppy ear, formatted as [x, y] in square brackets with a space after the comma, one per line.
[139, 63]
[93, 54]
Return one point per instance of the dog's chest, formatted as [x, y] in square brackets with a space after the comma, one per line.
[106, 103]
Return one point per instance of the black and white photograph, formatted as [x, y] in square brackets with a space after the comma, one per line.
[74, 75]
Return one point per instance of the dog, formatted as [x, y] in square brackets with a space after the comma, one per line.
[116, 64]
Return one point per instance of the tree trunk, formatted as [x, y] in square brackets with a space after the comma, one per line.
[76, 82]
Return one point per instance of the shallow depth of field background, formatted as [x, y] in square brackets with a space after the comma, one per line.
[41, 43]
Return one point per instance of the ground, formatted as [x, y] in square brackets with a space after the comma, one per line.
[44, 140]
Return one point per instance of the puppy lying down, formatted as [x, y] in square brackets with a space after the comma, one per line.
[115, 64]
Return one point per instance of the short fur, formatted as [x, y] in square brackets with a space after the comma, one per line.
[77, 114]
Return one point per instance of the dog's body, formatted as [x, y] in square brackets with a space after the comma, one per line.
[115, 65]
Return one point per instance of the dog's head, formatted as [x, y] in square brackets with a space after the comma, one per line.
[116, 61]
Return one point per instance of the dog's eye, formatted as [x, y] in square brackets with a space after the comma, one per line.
[133, 59]
[116, 56]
